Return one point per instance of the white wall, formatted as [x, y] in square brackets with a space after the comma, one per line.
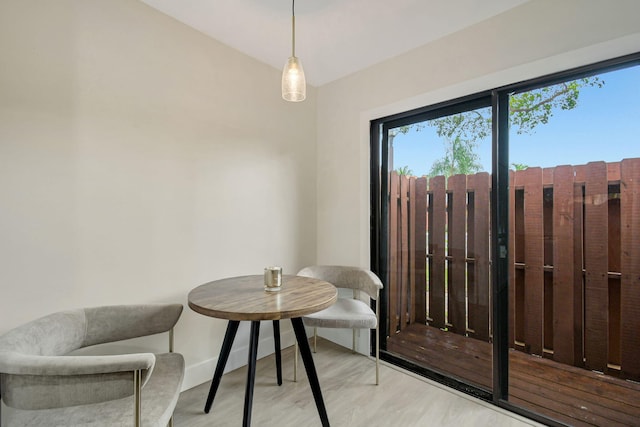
[139, 159]
[537, 38]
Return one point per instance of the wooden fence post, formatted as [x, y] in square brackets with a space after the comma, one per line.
[405, 233]
[630, 267]
[394, 266]
[437, 225]
[457, 190]
[478, 243]
[512, 259]
[564, 293]
[534, 260]
[596, 265]
[419, 250]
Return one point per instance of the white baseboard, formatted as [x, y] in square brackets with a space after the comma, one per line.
[344, 338]
[202, 372]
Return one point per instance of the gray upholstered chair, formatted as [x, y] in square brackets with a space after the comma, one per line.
[42, 385]
[348, 313]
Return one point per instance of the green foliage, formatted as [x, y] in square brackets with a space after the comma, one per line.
[527, 110]
[462, 159]
[404, 170]
[405, 129]
[462, 132]
[519, 166]
[469, 125]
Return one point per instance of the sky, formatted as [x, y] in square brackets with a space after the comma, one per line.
[604, 126]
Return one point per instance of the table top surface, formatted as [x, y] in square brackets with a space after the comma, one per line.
[244, 298]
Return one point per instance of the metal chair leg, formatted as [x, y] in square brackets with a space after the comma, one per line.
[377, 340]
[295, 362]
[353, 345]
[315, 340]
[377, 357]
[137, 398]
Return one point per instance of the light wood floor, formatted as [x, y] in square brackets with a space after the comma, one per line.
[351, 397]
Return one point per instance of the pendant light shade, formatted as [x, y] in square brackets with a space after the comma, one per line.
[294, 85]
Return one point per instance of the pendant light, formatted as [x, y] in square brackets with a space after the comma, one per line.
[294, 86]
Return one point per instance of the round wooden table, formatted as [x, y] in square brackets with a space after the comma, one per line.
[244, 299]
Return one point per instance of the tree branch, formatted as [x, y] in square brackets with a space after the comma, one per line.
[542, 102]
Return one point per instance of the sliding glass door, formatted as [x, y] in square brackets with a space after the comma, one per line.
[575, 249]
[506, 227]
[438, 293]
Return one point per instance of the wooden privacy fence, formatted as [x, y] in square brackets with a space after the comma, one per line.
[574, 256]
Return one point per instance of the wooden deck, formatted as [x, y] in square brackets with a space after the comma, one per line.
[571, 395]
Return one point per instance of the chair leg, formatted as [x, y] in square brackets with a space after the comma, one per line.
[315, 340]
[377, 338]
[137, 398]
[353, 345]
[377, 356]
[295, 362]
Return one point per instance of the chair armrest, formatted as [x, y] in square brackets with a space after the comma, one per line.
[40, 382]
[22, 364]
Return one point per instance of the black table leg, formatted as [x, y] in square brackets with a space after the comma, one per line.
[276, 337]
[305, 352]
[251, 372]
[229, 336]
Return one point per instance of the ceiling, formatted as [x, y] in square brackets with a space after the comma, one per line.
[334, 38]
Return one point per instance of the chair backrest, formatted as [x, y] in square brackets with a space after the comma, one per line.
[345, 277]
[53, 335]
[60, 333]
[121, 322]
[30, 351]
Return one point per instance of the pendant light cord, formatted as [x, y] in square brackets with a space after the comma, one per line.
[293, 28]
[294, 84]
